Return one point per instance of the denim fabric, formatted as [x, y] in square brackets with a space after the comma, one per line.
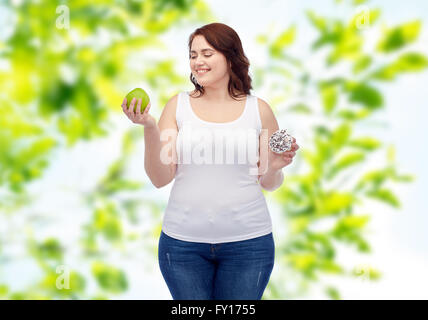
[223, 271]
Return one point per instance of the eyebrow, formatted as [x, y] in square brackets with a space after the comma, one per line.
[203, 50]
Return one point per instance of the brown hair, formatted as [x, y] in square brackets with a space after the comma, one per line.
[224, 39]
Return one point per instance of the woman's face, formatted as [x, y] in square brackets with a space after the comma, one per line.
[204, 56]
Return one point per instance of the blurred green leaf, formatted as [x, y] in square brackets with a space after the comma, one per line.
[304, 261]
[407, 62]
[334, 202]
[340, 136]
[121, 185]
[50, 249]
[364, 94]
[109, 278]
[365, 143]
[373, 179]
[391, 153]
[285, 39]
[299, 224]
[332, 292]
[345, 161]
[399, 36]
[348, 229]
[348, 46]
[362, 63]
[329, 95]
[354, 221]
[113, 181]
[300, 108]
[331, 36]
[322, 130]
[386, 196]
[353, 115]
[107, 221]
[324, 152]
[4, 289]
[323, 245]
[317, 21]
[329, 266]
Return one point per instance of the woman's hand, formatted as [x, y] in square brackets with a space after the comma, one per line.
[145, 119]
[280, 160]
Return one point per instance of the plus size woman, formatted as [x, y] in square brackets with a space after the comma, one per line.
[216, 240]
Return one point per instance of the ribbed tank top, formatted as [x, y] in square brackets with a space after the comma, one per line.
[216, 196]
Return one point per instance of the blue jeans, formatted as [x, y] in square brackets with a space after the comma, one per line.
[223, 271]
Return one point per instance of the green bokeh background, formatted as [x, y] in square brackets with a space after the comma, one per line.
[80, 219]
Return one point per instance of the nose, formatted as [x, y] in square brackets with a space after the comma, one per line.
[199, 62]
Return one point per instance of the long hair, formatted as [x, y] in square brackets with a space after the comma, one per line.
[224, 39]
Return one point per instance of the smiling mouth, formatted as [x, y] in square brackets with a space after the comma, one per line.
[202, 71]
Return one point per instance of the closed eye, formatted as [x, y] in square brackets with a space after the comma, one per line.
[205, 55]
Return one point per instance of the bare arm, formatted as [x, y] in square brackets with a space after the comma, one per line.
[160, 166]
[158, 172]
[160, 158]
[270, 179]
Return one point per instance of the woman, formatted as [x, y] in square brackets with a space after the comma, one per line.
[216, 240]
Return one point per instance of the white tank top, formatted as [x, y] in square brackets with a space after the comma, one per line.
[216, 196]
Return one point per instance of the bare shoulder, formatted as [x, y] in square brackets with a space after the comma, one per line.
[171, 105]
[266, 114]
[172, 102]
[167, 118]
[263, 105]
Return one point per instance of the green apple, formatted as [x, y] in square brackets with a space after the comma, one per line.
[137, 93]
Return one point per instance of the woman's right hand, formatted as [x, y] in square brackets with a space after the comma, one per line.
[145, 119]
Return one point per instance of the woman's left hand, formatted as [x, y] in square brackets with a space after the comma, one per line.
[280, 160]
